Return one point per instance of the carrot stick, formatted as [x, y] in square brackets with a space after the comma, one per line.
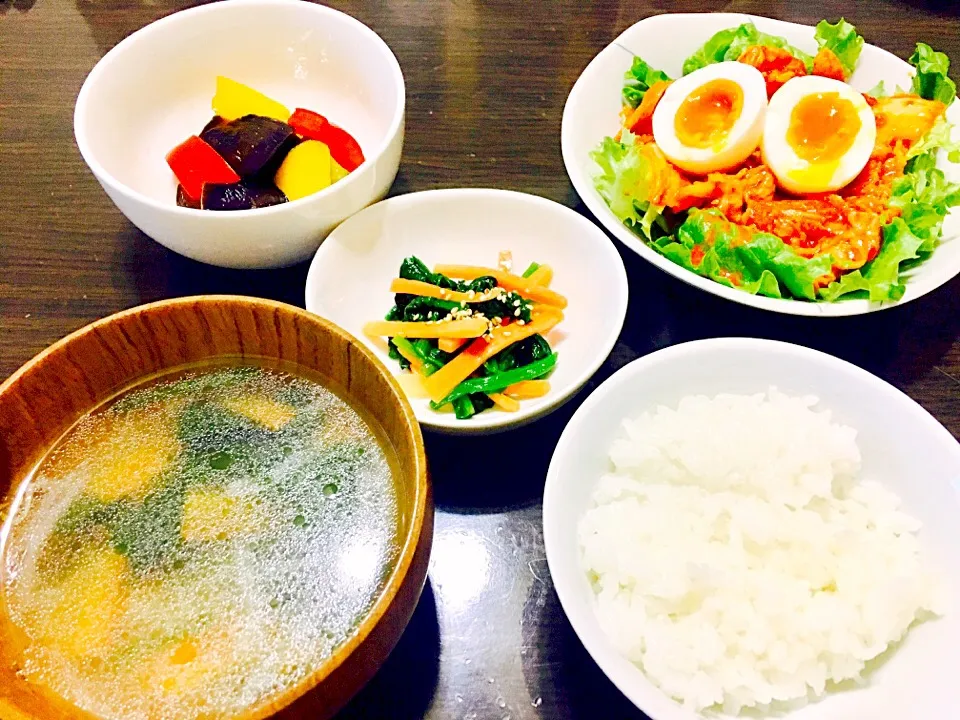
[444, 380]
[508, 281]
[465, 328]
[504, 402]
[528, 389]
[450, 345]
[423, 289]
[541, 276]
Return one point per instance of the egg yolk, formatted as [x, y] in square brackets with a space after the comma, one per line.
[823, 127]
[707, 114]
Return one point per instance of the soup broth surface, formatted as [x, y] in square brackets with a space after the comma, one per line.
[199, 544]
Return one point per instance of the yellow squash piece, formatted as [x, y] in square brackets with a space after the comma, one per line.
[444, 380]
[136, 448]
[337, 171]
[541, 276]
[504, 402]
[425, 289]
[212, 514]
[451, 345]
[528, 389]
[508, 281]
[233, 100]
[412, 384]
[464, 328]
[92, 598]
[186, 666]
[262, 410]
[306, 169]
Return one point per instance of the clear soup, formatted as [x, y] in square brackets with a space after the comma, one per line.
[199, 544]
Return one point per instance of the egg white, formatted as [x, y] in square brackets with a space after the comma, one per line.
[799, 176]
[730, 149]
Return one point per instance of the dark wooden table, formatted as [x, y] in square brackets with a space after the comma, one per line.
[486, 83]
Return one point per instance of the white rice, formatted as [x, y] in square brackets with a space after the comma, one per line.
[738, 561]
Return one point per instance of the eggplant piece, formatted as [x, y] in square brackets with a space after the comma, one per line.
[244, 195]
[215, 122]
[252, 145]
[184, 200]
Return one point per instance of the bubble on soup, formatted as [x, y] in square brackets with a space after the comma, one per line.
[200, 544]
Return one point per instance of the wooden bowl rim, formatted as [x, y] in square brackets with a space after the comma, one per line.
[273, 704]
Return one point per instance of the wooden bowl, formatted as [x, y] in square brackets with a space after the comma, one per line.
[45, 397]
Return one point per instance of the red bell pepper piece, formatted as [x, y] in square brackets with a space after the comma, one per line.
[343, 146]
[195, 163]
[476, 347]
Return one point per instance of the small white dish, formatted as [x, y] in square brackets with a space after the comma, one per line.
[665, 41]
[903, 447]
[153, 91]
[349, 278]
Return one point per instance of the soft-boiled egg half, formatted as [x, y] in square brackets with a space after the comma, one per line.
[711, 119]
[818, 135]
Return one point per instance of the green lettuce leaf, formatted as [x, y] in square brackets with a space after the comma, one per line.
[623, 182]
[931, 80]
[938, 140]
[843, 40]
[880, 278]
[924, 197]
[763, 264]
[729, 45]
[880, 90]
[638, 79]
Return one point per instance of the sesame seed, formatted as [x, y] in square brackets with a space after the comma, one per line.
[516, 303]
[521, 322]
[507, 333]
[516, 313]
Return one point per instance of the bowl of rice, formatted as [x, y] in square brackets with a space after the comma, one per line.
[747, 528]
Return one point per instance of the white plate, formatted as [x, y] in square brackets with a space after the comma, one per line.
[665, 41]
[903, 447]
[349, 278]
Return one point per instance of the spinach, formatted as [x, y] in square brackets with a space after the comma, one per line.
[498, 381]
[148, 531]
[527, 351]
[186, 386]
[531, 269]
[395, 354]
[469, 405]
[431, 354]
[418, 309]
[205, 429]
[505, 306]
[425, 351]
[413, 268]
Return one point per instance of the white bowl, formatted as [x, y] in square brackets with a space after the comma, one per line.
[665, 41]
[154, 89]
[903, 447]
[349, 278]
